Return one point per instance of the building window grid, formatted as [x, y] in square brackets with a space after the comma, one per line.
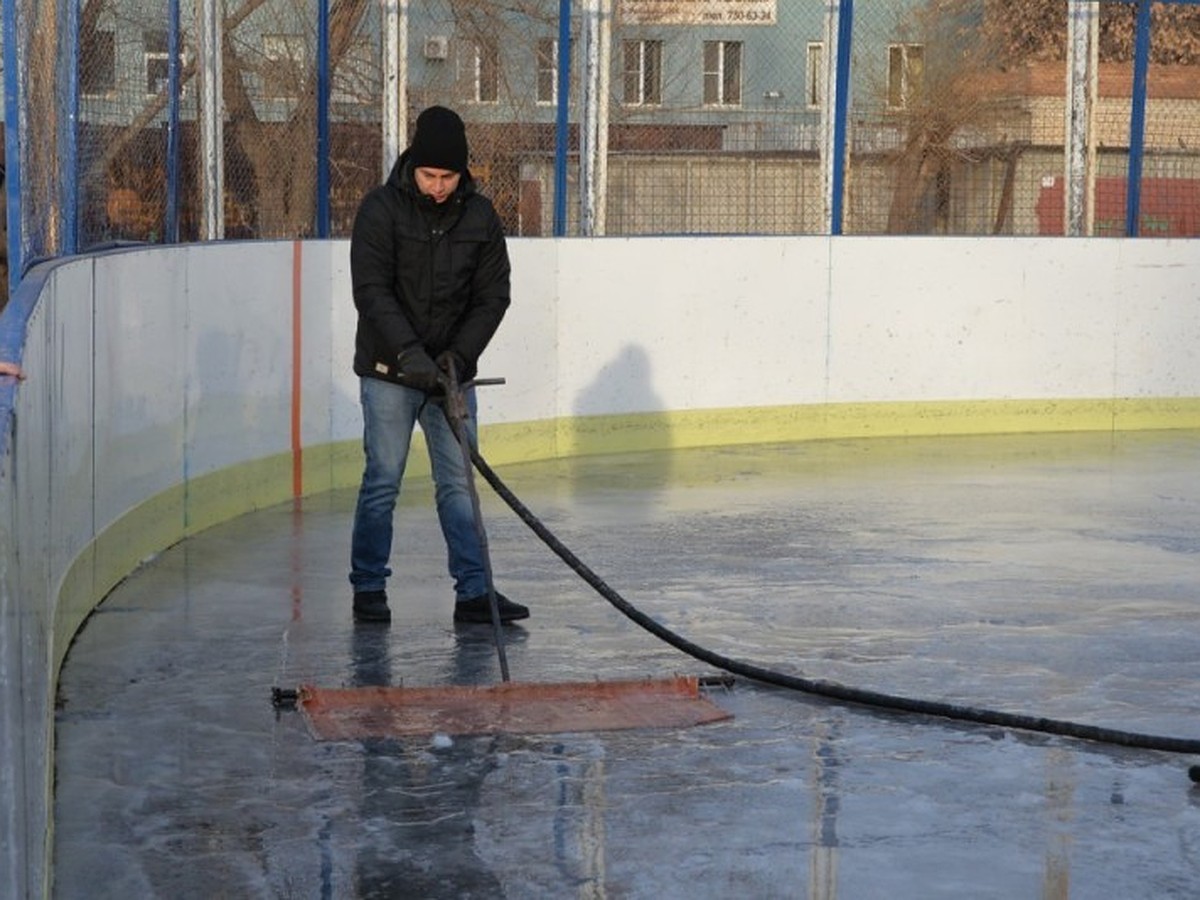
[722, 73]
[906, 74]
[98, 63]
[156, 63]
[547, 71]
[643, 73]
[487, 73]
[815, 95]
[156, 59]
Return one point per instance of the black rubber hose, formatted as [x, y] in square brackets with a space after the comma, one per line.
[829, 689]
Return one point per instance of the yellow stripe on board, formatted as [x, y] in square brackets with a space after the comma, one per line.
[591, 435]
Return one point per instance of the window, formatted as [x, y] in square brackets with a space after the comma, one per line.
[487, 73]
[154, 44]
[643, 72]
[353, 79]
[98, 63]
[722, 73]
[906, 74]
[283, 55]
[816, 76]
[157, 62]
[547, 70]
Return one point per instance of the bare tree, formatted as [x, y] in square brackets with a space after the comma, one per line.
[270, 97]
[282, 153]
[1023, 31]
[935, 109]
[968, 49]
[279, 149]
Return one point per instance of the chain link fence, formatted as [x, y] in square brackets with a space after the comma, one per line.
[960, 121]
[1169, 202]
[716, 124]
[678, 116]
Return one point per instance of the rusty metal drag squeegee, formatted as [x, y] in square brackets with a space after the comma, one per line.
[338, 714]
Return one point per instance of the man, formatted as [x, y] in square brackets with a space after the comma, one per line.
[430, 271]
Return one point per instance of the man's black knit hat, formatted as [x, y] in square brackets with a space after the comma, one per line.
[440, 141]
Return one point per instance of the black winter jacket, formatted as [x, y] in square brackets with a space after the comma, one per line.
[425, 273]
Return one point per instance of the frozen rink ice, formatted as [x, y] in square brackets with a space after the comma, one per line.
[1051, 575]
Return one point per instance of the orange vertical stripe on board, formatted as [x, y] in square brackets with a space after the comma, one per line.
[297, 450]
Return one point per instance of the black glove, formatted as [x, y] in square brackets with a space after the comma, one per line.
[418, 370]
[452, 363]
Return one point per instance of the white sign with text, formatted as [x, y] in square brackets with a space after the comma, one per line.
[696, 12]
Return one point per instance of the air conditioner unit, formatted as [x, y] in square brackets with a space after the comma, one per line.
[437, 47]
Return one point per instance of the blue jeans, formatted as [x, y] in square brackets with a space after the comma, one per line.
[389, 413]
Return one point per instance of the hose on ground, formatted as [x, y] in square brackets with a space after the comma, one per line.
[828, 689]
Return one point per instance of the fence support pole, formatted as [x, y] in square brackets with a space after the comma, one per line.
[1137, 119]
[561, 130]
[589, 137]
[603, 86]
[68, 163]
[171, 215]
[395, 83]
[839, 29]
[212, 129]
[13, 123]
[323, 70]
[1081, 19]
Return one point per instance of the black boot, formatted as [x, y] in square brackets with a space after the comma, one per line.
[371, 606]
[479, 610]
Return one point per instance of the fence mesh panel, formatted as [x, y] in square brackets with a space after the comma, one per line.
[38, 123]
[496, 64]
[683, 116]
[1170, 183]
[715, 120]
[923, 135]
[356, 101]
[122, 164]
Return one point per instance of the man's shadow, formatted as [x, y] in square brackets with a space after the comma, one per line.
[619, 416]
